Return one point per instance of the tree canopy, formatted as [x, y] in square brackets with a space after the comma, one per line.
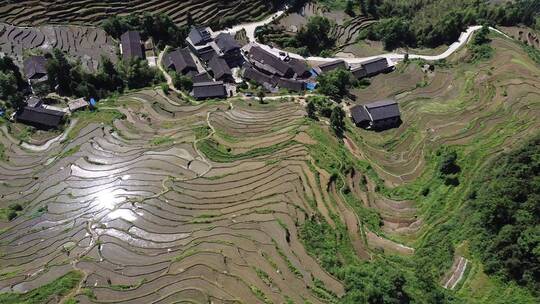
[507, 216]
[315, 35]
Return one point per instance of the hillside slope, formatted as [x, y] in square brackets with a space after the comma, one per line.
[33, 12]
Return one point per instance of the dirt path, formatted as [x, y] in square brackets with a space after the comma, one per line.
[457, 271]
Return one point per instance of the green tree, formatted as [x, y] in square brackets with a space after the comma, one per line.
[137, 74]
[9, 90]
[363, 7]
[59, 72]
[349, 8]
[261, 94]
[315, 35]
[336, 83]
[182, 82]
[337, 121]
[311, 110]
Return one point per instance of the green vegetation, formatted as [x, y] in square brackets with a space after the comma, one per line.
[46, 293]
[431, 23]
[479, 46]
[181, 82]
[336, 83]
[73, 80]
[337, 121]
[3, 156]
[88, 117]
[506, 216]
[216, 152]
[159, 27]
[163, 140]
[312, 39]
[11, 212]
[11, 85]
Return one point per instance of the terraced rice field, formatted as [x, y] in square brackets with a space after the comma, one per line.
[34, 12]
[81, 42]
[203, 203]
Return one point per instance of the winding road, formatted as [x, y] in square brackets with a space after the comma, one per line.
[391, 57]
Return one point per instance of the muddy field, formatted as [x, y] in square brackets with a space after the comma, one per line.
[83, 43]
[204, 202]
[34, 12]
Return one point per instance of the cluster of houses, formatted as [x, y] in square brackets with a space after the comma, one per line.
[216, 64]
[36, 112]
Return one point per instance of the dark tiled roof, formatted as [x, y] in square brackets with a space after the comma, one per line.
[211, 89]
[359, 72]
[219, 68]
[359, 114]
[181, 60]
[257, 76]
[329, 66]
[258, 54]
[35, 67]
[131, 45]
[40, 117]
[33, 101]
[383, 109]
[201, 77]
[199, 35]
[291, 84]
[300, 68]
[226, 43]
[375, 66]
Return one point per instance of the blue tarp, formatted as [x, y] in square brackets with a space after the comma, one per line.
[92, 102]
[311, 86]
[2, 113]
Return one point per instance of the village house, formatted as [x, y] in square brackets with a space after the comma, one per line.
[291, 84]
[35, 70]
[131, 46]
[211, 89]
[377, 115]
[371, 68]
[220, 70]
[268, 82]
[268, 63]
[229, 49]
[40, 118]
[330, 66]
[181, 61]
[200, 42]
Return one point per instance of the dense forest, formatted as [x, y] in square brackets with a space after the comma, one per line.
[506, 216]
[431, 23]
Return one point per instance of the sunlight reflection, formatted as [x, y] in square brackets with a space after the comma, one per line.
[124, 214]
[106, 199]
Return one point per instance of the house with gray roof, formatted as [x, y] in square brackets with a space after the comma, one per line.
[199, 35]
[40, 118]
[291, 84]
[330, 66]
[181, 61]
[210, 89]
[220, 69]
[269, 63]
[229, 49]
[131, 45]
[371, 68]
[377, 115]
[35, 67]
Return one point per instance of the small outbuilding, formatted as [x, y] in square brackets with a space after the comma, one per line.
[199, 35]
[34, 102]
[40, 118]
[377, 115]
[330, 66]
[291, 84]
[77, 104]
[211, 89]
